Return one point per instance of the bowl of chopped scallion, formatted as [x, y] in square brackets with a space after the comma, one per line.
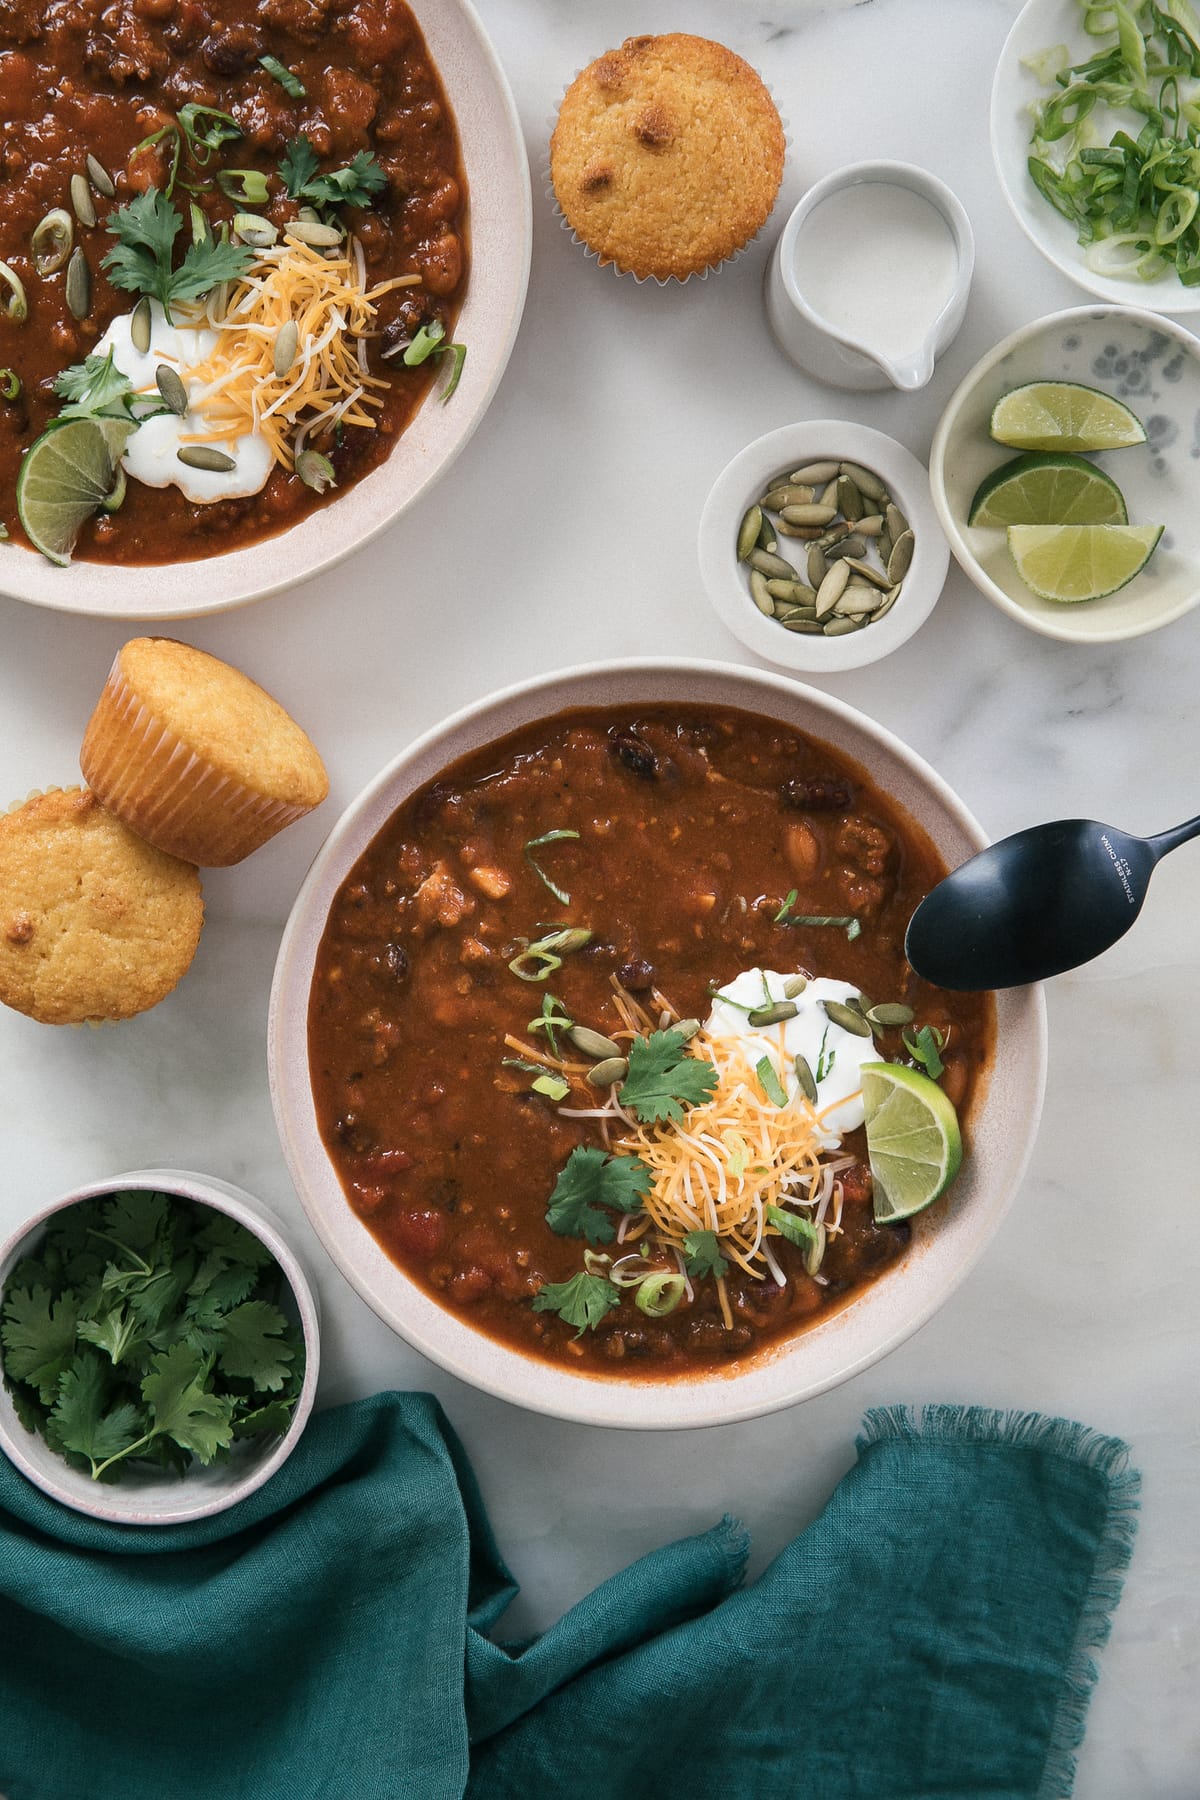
[1095, 126]
[158, 1345]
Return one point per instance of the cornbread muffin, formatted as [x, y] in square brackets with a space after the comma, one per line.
[94, 924]
[667, 155]
[194, 756]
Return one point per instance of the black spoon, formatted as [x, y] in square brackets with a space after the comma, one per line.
[1032, 905]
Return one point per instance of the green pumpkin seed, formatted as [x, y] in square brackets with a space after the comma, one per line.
[848, 1017]
[766, 536]
[883, 546]
[876, 577]
[814, 473]
[748, 530]
[140, 325]
[766, 564]
[776, 498]
[806, 627]
[171, 388]
[804, 1076]
[807, 533]
[775, 1014]
[813, 514]
[850, 501]
[817, 567]
[593, 1043]
[606, 1074]
[314, 232]
[51, 242]
[889, 600]
[834, 535]
[865, 482]
[890, 1013]
[81, 201]
[870, 527]
[78, 285]
[832, 589]
[900, 561]
[857, 602]
[759, 594]
[686, 1028]
[897, 524]
[829, 495]
[847, 546]
[100, 179]
[287, 342]
[839, 627]
[786, 613]
[202, 456]
[796, 593]
[794, 986]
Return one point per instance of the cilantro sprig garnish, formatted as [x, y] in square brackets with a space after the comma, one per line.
[145, 1327]
[702, 1255]
[94, 389]
[590, 1182]
[142, 259]
[582, 1302]
[663, 1078]
[353, 185]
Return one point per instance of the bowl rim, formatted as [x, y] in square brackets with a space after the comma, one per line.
[323, 538]
[258, 1218]
[1176, 298]
[766, 1385]
[730, 597]
[1045, 625]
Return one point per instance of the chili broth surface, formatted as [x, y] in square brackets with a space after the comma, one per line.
[695, 826]
[97, 77]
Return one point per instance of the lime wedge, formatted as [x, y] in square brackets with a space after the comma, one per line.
[68, 474]
[913, 1140]
[1080, 562]
[1064, 415]
[1040, 488]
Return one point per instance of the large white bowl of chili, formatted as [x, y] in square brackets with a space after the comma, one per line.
[421, 92]
[446, 1306]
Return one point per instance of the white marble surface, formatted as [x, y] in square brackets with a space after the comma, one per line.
[566, 532]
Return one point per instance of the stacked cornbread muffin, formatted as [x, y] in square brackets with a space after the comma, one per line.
[188, 762]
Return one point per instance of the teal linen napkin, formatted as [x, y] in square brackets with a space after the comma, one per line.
[929, 1636]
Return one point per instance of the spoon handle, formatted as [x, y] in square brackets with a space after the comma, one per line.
[1171, 840]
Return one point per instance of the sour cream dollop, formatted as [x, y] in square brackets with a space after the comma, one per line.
[152, 453]
[804, 1035]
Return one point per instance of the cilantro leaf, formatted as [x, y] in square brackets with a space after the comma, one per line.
[663, 1078]
[94, 388]
[85, 1422]
[117, 1333]
[141, 261]
[180, 1406]
[702, 1255]
[216, 1289]
[583, 1301]
[38, 1335]
[300, 163]
[275, 1416]
[136, 1218]
[352, 185]
[591, 1180]
[792, 1226]
[221, 1233]
[253, 1345]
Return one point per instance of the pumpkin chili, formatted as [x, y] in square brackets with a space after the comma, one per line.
[566, 902]
[233, 89]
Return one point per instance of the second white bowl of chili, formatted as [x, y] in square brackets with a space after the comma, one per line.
[561, 873]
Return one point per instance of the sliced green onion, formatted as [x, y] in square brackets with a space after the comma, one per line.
[424, 344]
[10, 385]
[552, 1086]
[315, 471]
[659, 1295]
[548, 837]
[769, 1080]
[247, 187]
[458, 356]
[290, 83]
[14, 302]
[792, 1226]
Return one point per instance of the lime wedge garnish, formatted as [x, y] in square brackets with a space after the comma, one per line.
[1041, 488]
[913, 1140]
[68, 474]
[1064, 415]
[1080, 562]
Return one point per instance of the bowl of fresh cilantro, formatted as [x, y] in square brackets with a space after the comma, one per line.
[159, 1348]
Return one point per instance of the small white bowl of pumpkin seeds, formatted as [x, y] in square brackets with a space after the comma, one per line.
[820, 548]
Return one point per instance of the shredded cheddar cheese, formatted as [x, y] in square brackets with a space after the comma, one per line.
[327, 383]
[730, 1158]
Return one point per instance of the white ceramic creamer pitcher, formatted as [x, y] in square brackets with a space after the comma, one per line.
[870, 276]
